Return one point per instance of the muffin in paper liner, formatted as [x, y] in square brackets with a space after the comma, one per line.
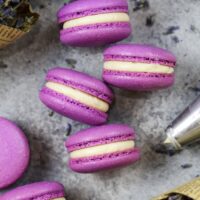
[189, 191]
[16, 19]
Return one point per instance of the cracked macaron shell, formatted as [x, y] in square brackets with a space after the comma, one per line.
[39, 190]
[93, 34]
[97, 136]
[70, 107]
[14, 154]
[139, 81]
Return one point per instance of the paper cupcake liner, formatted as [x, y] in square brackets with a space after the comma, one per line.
[9, 35]
[190, 190]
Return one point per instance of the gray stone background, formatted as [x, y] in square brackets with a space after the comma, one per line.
[171, 24]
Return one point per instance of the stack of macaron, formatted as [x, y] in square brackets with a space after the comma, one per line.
[136, 67]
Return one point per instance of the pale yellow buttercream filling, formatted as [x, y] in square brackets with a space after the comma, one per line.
[137, 67]
[59, 198]
[80, 96]
[95, 19]
[103, 149]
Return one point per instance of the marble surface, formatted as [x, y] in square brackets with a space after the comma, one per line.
[171, 24]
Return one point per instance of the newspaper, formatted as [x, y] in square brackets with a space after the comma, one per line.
[190, 190]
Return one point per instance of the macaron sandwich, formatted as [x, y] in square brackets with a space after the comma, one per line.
[91, 23]
[103, 147]
[138, 67]
[36, 191]
[77, 96]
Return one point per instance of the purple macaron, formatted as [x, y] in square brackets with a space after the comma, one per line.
[91, 23]
[138, 67]
[103, 147]
[76, 95]
[36, 191]
[14, 154]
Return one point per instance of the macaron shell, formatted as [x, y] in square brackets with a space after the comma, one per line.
[71, 108]
[95, 35]
[139, 50]
[138, 81]
[105, 162]
[99, 133]
[36, 191]
[81, 81]
[74, 9]
[14, 154]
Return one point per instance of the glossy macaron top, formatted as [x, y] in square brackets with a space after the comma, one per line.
[14, 153]
[99, 135]
[39, 191]
[139, 52]
[81, 8]
[80, 81]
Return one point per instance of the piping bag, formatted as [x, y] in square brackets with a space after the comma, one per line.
[184, 130]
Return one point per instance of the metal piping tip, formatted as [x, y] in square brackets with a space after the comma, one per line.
[171, 140]
[167, 141]
[169, 146]
[165, 148]
[184, 130]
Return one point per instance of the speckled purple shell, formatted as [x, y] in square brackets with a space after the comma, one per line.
[139, 53]
[94, 34]
[35, 191]
[98, 136]
[14, 153]
[72, 108]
